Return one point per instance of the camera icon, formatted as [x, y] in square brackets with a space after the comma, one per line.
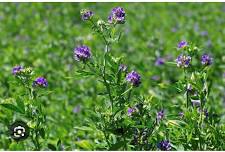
[19, 130]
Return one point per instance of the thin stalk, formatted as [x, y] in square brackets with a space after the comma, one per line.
[104, 77]
[128, 90]
[199, 132]
[201, 122]
[37, 140]
[104, 65]
[125, 144]
[104, 131]
[154, 125]
[186, 88]
[129, 95]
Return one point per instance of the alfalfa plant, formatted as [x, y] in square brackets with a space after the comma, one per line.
[26, 118]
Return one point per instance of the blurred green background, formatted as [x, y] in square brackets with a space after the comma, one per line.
[43, 36]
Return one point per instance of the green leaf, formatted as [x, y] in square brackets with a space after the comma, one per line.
[84, 144]
[117, 145]
[52, 147]
[59, 145]
[59, 142]
[12, 107]
[84, 128]
[81, 73]
[42, 133]
[179, 147]
[20, 105]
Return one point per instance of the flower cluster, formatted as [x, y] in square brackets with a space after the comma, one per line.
[182, 44]
[40, 81]
[22, 72]
[17, 69]
[206, 59]
[164, 145]
[25, 75]
[183, 61]
[117, 16]
[86, 14]
[82, 53]
[134, 78]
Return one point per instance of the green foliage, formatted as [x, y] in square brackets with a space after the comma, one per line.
[86, 104]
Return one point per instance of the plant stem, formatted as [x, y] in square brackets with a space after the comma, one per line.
[37, 140]
[186, 88]
[125, 144]
[129, 95]
[35, 132]
[154, 125]
[128, 90]
[104, 77]
[104, 64]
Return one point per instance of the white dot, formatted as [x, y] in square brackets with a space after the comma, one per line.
[19, 131]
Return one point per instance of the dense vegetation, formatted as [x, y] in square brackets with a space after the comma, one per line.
[149, 77]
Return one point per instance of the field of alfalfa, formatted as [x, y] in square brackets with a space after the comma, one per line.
[112, 76]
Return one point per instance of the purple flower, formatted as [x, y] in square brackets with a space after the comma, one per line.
[183, 61]
[82, 53]
[122, 67]
[117, 16]
[160, 115]
[76, 109]
[40, 81]
[159, 61]
[16, 69]
[130, 111]
[134, 78]
[86, 14]
[181, 114]
[206, 59]
[182, 44]
[164, 145]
